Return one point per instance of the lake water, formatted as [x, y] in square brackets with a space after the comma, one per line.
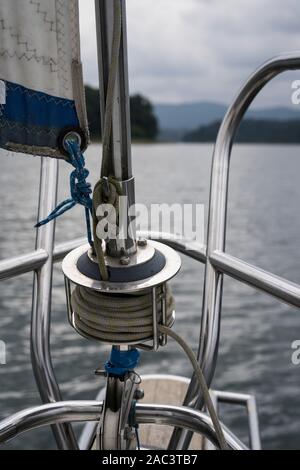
[257, 331]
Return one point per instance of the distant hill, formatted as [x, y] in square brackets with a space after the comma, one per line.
[144, 124]
[252, 131]
[188, 116]
[198, 122]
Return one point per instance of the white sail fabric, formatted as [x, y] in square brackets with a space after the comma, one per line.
[41, 88]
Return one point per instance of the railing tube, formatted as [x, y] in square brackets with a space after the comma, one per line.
[41, 304]
[213, 283]
[79, 411]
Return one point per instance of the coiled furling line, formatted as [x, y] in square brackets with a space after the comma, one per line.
[118, 318]
[129, 318]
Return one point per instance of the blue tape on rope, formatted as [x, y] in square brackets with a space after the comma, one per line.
[81, 190]
[122, 362]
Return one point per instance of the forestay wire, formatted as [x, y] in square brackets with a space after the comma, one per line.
[108, 189]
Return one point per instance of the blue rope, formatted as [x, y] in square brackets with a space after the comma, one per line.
[81, 190]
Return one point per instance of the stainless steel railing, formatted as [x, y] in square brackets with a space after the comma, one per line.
[248, 402]
[41, 304]
[84, 411]
[217, 261]
[247, 273]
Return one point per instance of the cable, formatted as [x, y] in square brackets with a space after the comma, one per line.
[202, 384]
[113, 72]
[106, 179]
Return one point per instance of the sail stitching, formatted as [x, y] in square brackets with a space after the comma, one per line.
[40, 96]
[61, 50]
[45, 60]
[4, 123]
[50, 58]
[74, 29]
[32, 150]
[29, 53]
[44, 14]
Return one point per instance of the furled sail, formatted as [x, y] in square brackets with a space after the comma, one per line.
[41, 85]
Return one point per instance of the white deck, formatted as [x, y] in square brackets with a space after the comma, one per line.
[163, 390]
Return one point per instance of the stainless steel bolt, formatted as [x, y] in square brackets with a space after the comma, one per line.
[125, 261]
[142, 243]
[139, 394]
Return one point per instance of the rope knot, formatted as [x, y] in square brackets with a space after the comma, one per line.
[106, 192]
[80, 189]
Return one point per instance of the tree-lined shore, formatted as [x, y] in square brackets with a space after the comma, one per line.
[145, 125]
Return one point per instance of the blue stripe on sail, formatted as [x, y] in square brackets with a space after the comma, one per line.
[32, 108]
[33, 137]
[33, 120]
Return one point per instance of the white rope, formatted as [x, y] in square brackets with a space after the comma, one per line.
[202, 384]
[118, 318]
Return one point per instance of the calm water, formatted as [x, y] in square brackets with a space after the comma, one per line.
[257, 331]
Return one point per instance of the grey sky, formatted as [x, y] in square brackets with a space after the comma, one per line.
[194, 50]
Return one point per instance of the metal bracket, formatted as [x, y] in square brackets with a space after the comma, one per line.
[158, 339]
[114, 431]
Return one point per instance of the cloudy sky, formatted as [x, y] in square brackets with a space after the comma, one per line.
[194, 50]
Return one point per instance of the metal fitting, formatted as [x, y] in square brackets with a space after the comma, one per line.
[139, 394]
[125, 260]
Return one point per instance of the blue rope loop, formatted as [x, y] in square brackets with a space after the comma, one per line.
[80, 189]
[122, 362]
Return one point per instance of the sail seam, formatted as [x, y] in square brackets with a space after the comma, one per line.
[41, 96]
[15, 125]
[61, 47]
